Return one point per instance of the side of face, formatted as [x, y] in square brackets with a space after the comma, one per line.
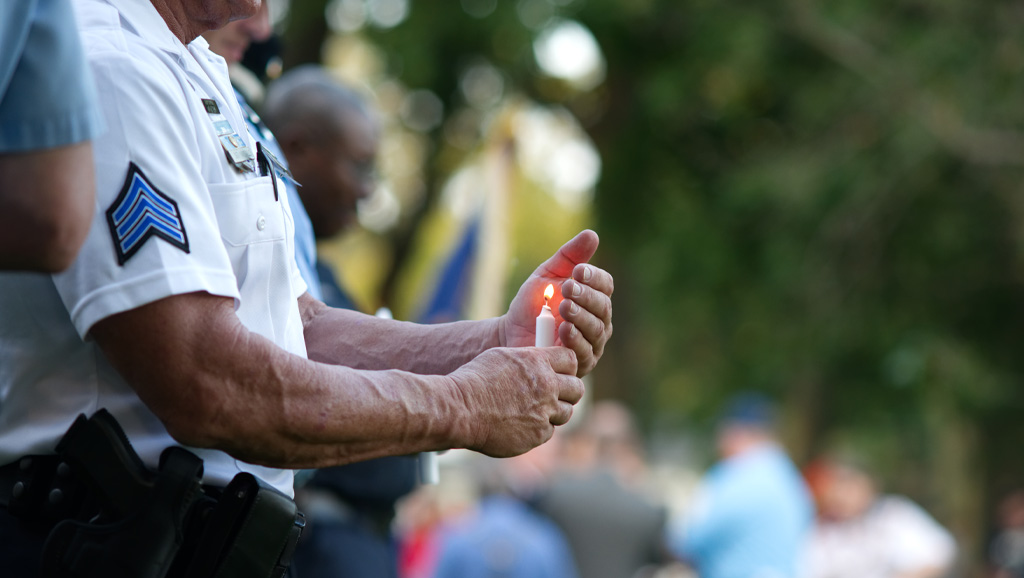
[735, 438]
[233, 39]
[338, 173]
[847, 494]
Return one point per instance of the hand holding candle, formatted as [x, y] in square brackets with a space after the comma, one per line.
[545, 330]
[582, 296]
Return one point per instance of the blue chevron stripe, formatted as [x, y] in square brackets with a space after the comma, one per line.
[141, 211]
[147, 223]
[144, 206]
[140, 189]
[147, 210]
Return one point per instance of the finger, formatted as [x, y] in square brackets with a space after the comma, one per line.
[589, 310]
[593, 300]
[571, 390]
[575, 342]
[561, 359]
[595, 277]
[578, 250]
[563, 415]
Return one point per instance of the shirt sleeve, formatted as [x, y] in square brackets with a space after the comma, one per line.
[690, 533]
[154, 232]
[47, 97]
[915, 539]
[302, 269]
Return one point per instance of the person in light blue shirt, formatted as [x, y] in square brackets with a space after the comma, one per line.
[48, 113]
[48, 99]
[506, 539]
[503, 537]
[753, 511]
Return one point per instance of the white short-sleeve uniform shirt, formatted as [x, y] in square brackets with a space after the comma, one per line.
[173, 215]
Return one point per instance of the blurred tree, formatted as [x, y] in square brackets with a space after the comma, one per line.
[305, 33]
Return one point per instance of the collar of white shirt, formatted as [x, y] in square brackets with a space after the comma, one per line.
[147, 22]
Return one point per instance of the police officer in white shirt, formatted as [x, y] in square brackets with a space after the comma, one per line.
[185, 318]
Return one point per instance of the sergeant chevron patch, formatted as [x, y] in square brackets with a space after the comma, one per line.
[141, 212]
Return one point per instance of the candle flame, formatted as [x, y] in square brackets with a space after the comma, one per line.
[549, 293]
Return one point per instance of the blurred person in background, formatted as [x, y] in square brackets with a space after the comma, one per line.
[862, 534]
[752, 512]
[418, 524]
[503, 537]
[48, 114]
[330, 140]
[613, 529]
[427, 517]
[1006, 554]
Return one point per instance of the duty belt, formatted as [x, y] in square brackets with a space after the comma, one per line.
[105, 514]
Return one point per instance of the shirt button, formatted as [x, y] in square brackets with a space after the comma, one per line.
[261, 223]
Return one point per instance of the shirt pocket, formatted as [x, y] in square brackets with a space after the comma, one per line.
[247, 212]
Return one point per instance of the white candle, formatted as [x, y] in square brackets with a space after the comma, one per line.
[545, 331]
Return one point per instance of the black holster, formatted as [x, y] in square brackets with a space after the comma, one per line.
[251, 530]
[116, 518]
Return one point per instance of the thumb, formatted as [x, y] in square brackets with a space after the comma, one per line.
[577, 250]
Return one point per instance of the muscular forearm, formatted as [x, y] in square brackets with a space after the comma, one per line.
[222, 386]
[367, 342]
[337, 415]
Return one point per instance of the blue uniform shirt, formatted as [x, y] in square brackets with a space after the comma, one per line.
[331, 290]
[507, 539]
[751, 518]
[305, 242]
[47, 98]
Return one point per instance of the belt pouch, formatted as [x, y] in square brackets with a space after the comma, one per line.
[250, 533]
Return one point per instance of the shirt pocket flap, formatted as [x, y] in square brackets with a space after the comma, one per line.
[247, 212]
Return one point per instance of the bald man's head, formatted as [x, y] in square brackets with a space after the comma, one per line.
[330, 140]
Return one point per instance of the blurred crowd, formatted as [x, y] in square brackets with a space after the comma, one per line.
[589, 504]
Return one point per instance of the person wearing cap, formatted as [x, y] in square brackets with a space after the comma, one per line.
[753, 511]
